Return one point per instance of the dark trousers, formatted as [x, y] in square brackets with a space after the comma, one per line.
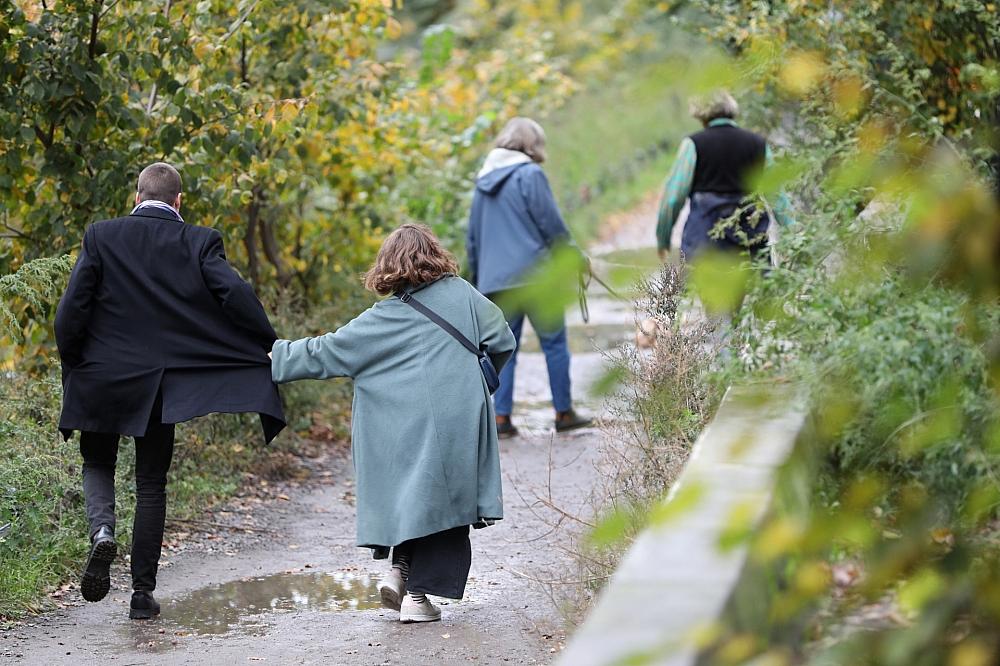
[153, 453]
[438, 563]
[707, 210]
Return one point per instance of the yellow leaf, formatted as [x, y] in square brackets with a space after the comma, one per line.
[920, 590]
[393, 29]
[972, 653]
[802, 72]
[289, 110]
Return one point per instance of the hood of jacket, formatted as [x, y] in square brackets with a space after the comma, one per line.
[499, 165]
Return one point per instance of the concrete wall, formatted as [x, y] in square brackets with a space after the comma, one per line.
[677, 582]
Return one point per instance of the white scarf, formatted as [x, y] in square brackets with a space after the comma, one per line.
[152, 203]
[500, 158]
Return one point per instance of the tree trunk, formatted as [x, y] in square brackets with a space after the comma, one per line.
[94, 19]
[273, 253]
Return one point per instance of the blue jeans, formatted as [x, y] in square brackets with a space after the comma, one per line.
[556, 350]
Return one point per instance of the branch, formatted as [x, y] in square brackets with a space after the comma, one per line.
[94, 20]
[250, 240]
[46, 140]
[17, 233]
[152, 93]
[238, 23]
[78, 149]
[108, 9]
[273, 252]
[243, 60]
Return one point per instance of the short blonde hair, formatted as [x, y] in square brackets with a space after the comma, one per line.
[524, 135]
[411, 255]
[719, 104]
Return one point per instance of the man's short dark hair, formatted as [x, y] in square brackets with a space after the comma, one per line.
[159, 182]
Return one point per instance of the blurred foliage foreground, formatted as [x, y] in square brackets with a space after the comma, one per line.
[884, 305]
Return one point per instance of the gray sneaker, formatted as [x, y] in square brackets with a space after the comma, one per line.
[392, 589]
[412, 611]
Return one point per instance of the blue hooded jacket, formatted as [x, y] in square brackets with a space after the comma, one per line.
[513, 225]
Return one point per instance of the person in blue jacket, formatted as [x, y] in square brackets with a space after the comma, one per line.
[513, 226]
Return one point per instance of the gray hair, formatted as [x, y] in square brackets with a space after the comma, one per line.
[159, 182]
[524, 135]
[719, 104]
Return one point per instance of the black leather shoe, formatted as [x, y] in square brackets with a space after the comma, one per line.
[506, 430]
[570, 420]
[143, 606]
[96, 579]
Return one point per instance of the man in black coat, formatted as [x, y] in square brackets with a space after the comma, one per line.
[155, 328]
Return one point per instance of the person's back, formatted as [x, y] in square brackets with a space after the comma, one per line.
[152, 288]
[513, 226]
[514, 222]
[727, 156]
[713, 171]
[154, 328]
[423, 437]
[155, 310]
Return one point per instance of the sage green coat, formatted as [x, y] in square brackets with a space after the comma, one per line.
[424, 434]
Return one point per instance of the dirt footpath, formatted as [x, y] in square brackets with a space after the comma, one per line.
[297, 591]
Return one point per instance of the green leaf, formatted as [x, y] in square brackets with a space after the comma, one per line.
[720, 281]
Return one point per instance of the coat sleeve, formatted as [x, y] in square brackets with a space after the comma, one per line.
[542, 207]
[343, 353]
[781, 206]
[73, 312]
[472, 241]
[544, 212]
[676, 191]
[234, 295]
[495, 337]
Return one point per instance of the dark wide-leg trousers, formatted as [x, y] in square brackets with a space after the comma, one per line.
[153, 453]
[438, 563]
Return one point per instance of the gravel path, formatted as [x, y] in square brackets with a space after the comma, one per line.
[297, 591]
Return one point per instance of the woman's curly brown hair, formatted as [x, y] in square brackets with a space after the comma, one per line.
[410, 256]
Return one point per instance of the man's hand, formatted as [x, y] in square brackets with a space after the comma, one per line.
[664, 254]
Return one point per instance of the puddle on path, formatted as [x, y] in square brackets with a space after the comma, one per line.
[245, 606]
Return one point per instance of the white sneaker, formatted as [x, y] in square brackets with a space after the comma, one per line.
[392, 589]
[411, 611]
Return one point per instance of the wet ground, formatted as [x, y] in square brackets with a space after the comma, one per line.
[296, 590]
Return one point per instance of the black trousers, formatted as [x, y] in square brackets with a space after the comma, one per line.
[439, 563]
[153, 453]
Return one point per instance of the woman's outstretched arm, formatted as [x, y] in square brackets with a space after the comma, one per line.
[337, 354]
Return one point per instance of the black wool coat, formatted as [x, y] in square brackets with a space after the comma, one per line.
[153, 306]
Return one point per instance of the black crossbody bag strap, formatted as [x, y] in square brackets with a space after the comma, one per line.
[407, 298]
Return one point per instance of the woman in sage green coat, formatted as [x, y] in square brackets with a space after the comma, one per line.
[424, 432]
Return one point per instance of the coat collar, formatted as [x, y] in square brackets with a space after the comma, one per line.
[413, 290]
[156, 214]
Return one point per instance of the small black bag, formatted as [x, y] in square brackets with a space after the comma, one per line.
[485, 364]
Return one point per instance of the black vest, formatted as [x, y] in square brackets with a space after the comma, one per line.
[727, 155]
